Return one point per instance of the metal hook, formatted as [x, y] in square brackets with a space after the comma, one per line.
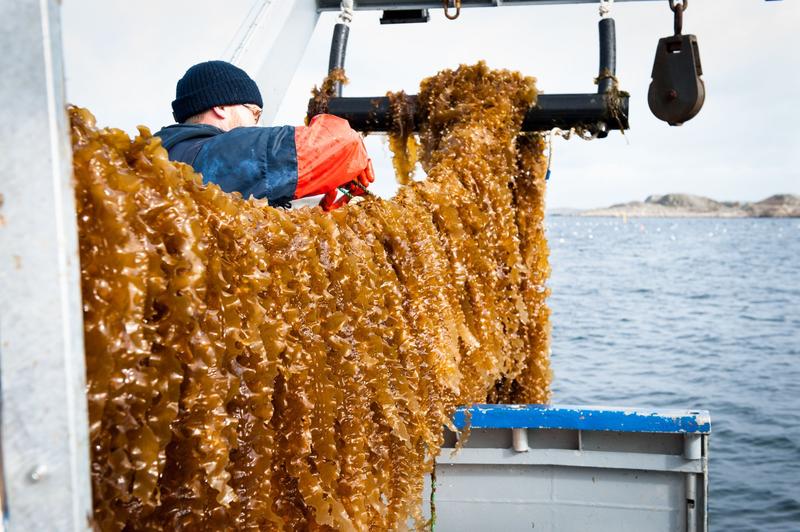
[446, 4]
[678, 9]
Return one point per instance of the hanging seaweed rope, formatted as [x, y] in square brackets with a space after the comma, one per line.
[250, 367]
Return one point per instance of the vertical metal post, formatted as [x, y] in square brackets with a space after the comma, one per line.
[338, 53]
[692, 450]
[519, 440]
[691, 502]
[608, 55]
[44, 439]
[692, 446]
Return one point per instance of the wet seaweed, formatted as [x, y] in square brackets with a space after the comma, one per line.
[254, 368]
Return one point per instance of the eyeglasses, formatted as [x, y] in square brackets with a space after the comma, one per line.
[256, 110]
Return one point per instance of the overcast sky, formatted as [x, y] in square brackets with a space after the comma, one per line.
[123, 59]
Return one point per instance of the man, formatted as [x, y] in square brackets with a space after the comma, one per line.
[216, 106]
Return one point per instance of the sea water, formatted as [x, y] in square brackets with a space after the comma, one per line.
[692, 314]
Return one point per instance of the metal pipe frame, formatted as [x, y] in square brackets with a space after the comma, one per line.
[595, 113]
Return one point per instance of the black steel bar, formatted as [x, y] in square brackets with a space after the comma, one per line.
[608, 55]
[338, 52]
[564, 111]
[361, 5]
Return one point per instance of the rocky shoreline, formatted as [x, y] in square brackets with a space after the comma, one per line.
[690, 206]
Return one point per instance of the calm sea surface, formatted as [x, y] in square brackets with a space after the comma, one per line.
[692, 314]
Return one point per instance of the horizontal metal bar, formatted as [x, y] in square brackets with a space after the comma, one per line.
[562, 111]
[335, 5]
[572, 458]
[584, 418]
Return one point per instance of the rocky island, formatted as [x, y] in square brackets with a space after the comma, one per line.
[690, 206]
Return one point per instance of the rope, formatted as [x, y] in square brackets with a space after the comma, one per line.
[346, 14]
[605, 8]
[433, 497]
[606, 74]
[549, 154]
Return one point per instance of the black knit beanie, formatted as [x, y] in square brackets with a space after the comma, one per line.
[206, 85]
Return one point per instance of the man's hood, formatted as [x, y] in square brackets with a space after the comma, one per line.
[172, 135]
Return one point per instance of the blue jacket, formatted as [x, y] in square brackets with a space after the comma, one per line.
[255, 161]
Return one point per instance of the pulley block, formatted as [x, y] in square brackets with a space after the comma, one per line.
[676, 91]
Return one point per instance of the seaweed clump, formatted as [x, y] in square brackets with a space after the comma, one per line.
[251, 368]
[320, 96]
[402, 141]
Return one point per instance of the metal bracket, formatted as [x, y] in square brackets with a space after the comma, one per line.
[405, 16]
